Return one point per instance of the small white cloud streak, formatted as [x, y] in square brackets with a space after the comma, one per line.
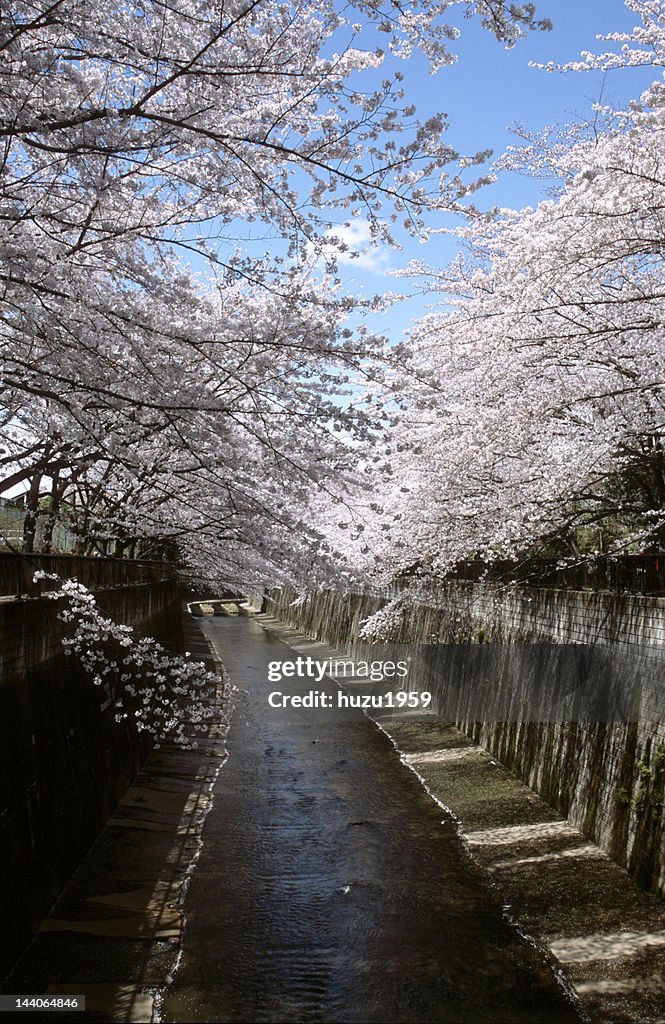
[362, 252]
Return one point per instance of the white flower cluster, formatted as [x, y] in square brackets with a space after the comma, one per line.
[167, 696]
[385, 624]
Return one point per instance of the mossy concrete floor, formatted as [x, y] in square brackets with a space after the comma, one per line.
[607, 934]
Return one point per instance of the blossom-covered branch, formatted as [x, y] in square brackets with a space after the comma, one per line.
[168, 696]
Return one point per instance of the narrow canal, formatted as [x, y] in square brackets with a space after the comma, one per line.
[330, 887]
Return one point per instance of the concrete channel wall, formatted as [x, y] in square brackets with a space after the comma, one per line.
[64, 761]
[489, 649]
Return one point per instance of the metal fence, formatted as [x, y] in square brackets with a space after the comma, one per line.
[637, 574]
[17, 571]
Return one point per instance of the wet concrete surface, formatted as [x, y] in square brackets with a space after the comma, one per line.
[330, 887]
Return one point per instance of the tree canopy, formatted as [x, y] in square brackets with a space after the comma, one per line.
[202, 405]
[171, 388]
[535, 423]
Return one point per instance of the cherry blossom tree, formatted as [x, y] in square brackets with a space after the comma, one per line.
[140, 136]
[536, 420]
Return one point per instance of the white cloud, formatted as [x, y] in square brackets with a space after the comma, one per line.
[362, 252]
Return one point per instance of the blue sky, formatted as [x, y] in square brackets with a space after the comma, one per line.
[484, 94]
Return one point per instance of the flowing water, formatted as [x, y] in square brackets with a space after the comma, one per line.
[331, 888]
